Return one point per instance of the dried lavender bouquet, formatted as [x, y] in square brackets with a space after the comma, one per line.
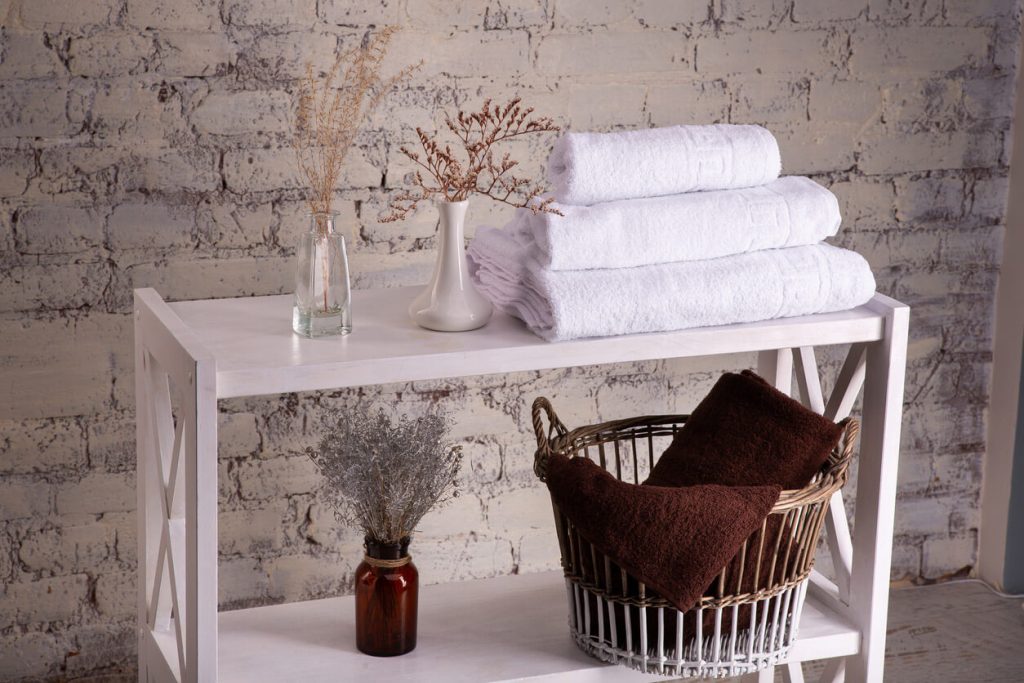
[384, 475]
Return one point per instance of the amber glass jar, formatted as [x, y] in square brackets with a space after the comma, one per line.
[387, 588]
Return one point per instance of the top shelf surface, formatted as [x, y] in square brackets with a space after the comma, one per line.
[257, 353]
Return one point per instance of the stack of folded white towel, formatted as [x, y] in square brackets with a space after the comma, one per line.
[666, 229]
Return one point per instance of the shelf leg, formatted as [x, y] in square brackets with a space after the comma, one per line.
[876, 491]
[776, 367]
[176, 455]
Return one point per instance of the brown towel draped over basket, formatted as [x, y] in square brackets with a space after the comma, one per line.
[618, 618]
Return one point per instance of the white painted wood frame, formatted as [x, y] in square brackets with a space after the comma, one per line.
[190, 354]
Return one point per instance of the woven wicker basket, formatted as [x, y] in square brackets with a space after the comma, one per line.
[745, 622]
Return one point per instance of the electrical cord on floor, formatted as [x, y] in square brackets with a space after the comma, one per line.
[992, 589]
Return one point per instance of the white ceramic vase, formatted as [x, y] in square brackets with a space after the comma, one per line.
[451, 303]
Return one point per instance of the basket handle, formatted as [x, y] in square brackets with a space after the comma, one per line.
[851, 430]
[540, 459]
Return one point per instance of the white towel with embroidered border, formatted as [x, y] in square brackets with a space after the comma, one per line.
[760, 285]
[787, 212]
[588, 168]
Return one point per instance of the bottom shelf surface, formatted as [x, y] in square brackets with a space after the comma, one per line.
[510, 628]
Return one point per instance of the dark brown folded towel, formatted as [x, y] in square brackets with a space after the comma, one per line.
[747, 433]
[676, 540]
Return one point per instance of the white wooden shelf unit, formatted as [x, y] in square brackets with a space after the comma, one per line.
[190, 354]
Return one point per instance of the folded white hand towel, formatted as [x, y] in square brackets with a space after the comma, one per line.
[760, 285]
[787, 212]
[587, 168]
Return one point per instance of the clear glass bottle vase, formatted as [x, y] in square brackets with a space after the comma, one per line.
[323, 296]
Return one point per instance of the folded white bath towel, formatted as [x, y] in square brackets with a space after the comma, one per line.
[587, 168]
[559, 305]
[786, 212]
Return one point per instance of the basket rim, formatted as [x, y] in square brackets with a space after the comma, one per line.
[558, 441]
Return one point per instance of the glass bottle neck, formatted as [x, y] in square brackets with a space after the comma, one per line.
[322, 223]
[387, 551]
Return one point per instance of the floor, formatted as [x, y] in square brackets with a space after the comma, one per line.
[954, 631]
[951, 632]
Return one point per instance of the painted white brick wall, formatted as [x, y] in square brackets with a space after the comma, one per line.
[144, 143]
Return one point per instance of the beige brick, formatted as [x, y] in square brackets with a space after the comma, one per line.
[262, 170]
[127, 527]
[184, 53]
[538, 551]
[148, 226]
[845, 101]
[440, 14]
[252, 532]
[62, 367]
[238, 435]
[133, 112]
[901, 11]
[521, 509]
[929, 199]
[989, 98]
[502, 14]
[615, 53]
[461, 54]
[752, 14]
[50, 229]
[192, 15]
[48, 13]
[285, 55]
[111, 442]
[67, 549]
[31, 655]
[461, 515]
[864, 202]
[688, 103]
[346, 13]
[236, 226]
[896, 153]
[164, 168]
[97, 493]
[278, 477]
[656, 13]
[591, 12]
[109, 54]
[116, 595]
[243, 112]
[906, 560]
[944, 556]
[41, 445]
[917, 49]
[965, 12]
[18, 167]
[815, 148]
[462, 558]
[989, 198]
[25, 55]
[923, 102]
[35, 110]
[768, 101]
[56, 599]
[57, 286]
[594, 107]
[241, 582]
[924, 516]
[819, 11]
[300, 577]
[23, 498]
[790, 52]
[270, 12]
[221, 277]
